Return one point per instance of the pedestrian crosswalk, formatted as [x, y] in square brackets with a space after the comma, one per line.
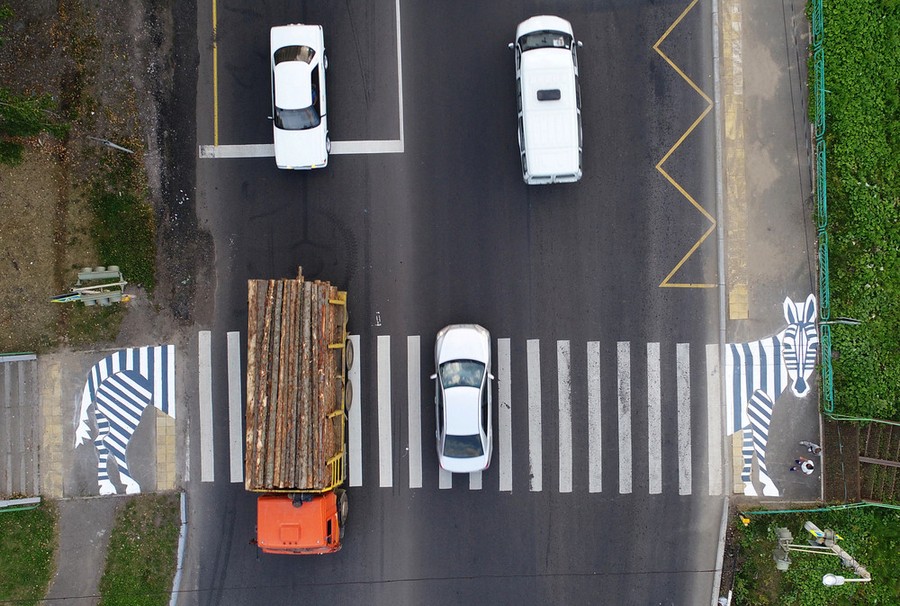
[561, 383]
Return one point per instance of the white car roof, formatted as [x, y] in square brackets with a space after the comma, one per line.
[463, 412]
[293, 88]
[551, 130]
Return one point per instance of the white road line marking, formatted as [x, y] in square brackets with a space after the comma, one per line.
[714, 429]
[595, 468]
[535, 451]
[399, 71]
[251, 150]
[623, 390]
[235, 412]
[683, 389]
[388, 146]
[207, 471]
[354, 418]
[475, 480]
[564, 390]
[445, 479]
[385, 463]
[654, 418]
[414, 399]
[504, 414]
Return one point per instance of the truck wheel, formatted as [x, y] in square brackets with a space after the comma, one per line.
[348, 354]
[348, 396]
[343, 507]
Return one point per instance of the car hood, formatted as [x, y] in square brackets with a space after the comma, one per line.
[465, 342]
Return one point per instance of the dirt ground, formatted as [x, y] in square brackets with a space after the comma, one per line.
[110, 66]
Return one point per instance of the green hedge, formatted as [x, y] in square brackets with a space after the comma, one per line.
[862, 72]
[27, 542]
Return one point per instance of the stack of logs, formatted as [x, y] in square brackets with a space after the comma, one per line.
[293, 384]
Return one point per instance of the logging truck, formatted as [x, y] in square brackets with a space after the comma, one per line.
[297, 401]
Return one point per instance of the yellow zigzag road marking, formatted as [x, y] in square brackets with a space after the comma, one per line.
[659, 165]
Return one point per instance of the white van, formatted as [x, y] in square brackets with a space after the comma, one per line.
[549, 100]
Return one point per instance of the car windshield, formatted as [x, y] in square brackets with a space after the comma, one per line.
[463, 447]
[294, 53]
[545, 39]
[462, 373]
[297, 119]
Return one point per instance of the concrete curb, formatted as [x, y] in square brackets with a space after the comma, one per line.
[179, 567]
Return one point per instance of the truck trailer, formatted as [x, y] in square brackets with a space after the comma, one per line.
[296, 417]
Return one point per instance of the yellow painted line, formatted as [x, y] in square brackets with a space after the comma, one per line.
[215, 77]
[666, 283]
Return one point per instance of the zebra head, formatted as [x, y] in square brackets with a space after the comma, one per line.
[800, 343]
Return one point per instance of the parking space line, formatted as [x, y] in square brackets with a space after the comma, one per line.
[535, 450]
[623, 361]
[654, 419]
[683, 390]
[475, 480]
[267, 150]
[385, 463]
[354, 420]
[564, 391]
[235, 414]
[504, 414]
[445, 479]
[414, 407]
[204, 366]
[595, 468]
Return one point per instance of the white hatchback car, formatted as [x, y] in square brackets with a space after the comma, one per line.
[463, 379]
[299, 115]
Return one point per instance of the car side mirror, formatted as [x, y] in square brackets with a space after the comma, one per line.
[579, 44]
[269, 117]
[434, 376]
[490, 376]
[511, 45]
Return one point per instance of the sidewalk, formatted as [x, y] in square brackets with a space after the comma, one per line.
[770, 232]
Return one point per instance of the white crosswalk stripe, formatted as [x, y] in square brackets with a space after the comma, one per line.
[585, 380]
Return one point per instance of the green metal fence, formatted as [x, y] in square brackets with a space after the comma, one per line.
[818, 65]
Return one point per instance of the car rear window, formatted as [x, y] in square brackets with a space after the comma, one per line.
[463, 447]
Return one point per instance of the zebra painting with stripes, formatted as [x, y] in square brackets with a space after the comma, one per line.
[118, 390]
[757, 373]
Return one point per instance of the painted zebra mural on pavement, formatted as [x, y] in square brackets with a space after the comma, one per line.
[120, 387]
[757, 373]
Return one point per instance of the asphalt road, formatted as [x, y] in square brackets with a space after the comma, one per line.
[446, 232]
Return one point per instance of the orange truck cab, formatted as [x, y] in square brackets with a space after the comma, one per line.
[300, 524]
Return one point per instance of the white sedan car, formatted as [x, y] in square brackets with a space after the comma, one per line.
[462, 357]
[299, 116]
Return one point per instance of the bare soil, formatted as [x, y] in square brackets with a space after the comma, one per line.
[110, 66]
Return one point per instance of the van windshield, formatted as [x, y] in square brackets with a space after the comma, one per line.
[545, 39]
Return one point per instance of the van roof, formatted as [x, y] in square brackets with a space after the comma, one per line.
[551, 127]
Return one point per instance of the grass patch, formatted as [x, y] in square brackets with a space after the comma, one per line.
[27, 542]
[870, 535]
[123, 225]
[140, 560]
[862, 68]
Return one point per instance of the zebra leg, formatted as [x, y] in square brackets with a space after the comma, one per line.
[105, 485]
[759, 411]
[118, 453]
[747, 456]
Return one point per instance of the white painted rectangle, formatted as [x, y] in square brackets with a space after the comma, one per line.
[535, 450]
[595, 442]
[385, 462]
[235, 408]
[564, 393]
[354, 417]
[714, 428]
[683, 391]
[623, 397]
[204, 366]
[504, 414]
[475, 480]
[654, 419]
[445, 479]
[414, 409]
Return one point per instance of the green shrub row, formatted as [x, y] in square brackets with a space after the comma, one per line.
[862, 72]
